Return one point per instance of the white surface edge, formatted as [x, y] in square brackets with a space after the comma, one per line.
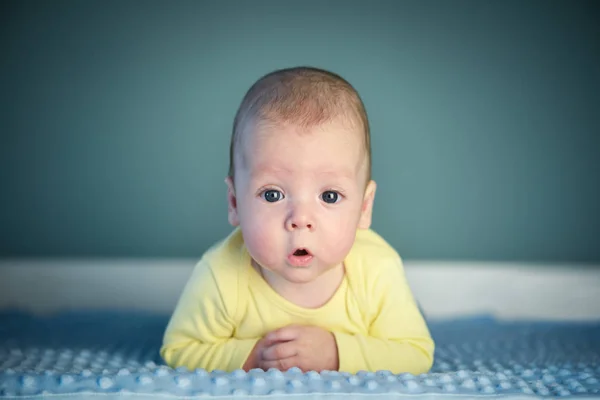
[444, 289]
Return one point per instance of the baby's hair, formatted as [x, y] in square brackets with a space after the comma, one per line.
[303, 96]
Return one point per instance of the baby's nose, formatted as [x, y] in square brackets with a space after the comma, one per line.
[299, 219]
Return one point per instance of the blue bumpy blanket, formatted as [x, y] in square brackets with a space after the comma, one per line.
[105, 355]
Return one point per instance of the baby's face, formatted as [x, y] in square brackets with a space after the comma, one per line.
[300, 197]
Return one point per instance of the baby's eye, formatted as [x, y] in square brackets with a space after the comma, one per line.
[330, 196]
[272, 195]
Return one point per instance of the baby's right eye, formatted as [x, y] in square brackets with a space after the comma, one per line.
[272, 195]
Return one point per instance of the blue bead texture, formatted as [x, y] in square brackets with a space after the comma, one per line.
[115, 354]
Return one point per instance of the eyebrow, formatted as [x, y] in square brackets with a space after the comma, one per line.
[269, 170]
[263, 169]
[347, 174]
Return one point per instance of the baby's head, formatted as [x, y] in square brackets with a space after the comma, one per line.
[300, 171]
[305, 97]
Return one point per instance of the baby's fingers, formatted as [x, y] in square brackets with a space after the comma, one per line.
[280, 351]
[283, 364]
[287, 333]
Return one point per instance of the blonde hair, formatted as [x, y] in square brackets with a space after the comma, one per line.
[303, 96]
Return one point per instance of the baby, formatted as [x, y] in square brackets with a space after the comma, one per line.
[302, 281]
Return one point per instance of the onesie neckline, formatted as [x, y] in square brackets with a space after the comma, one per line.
[275, 298]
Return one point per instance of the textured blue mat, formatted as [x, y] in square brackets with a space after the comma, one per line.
[115, 355]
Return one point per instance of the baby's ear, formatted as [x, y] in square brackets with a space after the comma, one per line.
[366, 211]
[232, 210]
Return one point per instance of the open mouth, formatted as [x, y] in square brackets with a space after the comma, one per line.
[301, 257]
[301, 252]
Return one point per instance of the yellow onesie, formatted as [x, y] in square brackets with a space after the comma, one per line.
[226, 307]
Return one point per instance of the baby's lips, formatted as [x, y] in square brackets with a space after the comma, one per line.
[301, 251]
[300, 259]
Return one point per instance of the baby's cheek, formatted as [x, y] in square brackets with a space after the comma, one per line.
[342, 246]
[341, 238]
[260, 244]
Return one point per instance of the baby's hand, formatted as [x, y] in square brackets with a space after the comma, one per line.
[309, 348]
[255, 358]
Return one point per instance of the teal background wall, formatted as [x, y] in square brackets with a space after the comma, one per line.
[115, 119]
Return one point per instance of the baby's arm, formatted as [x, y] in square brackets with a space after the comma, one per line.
[199, 334]
[398, 339]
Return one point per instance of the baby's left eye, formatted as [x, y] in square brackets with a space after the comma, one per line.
[330, 196]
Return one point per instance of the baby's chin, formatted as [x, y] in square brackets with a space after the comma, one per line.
[300, 279]
[297, 274]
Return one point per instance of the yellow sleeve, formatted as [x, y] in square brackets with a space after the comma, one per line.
[200, 331]
[398, 340]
